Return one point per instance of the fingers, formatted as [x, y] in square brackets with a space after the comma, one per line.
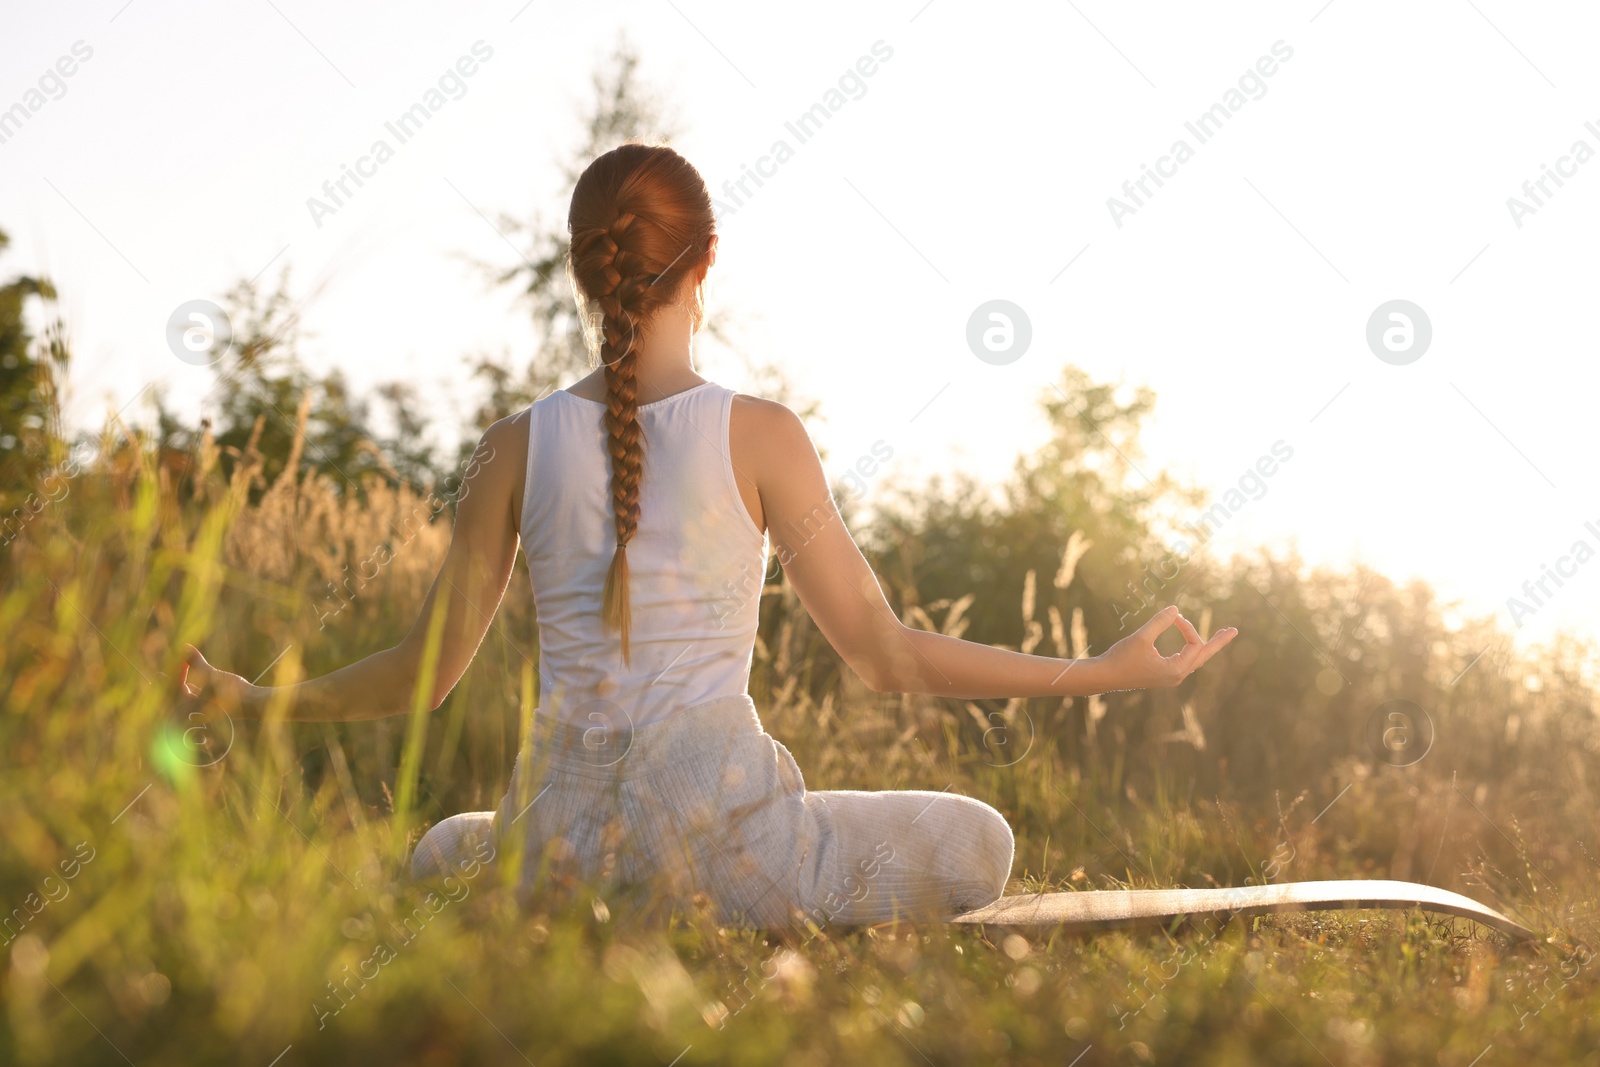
[1219, 640]
[1167, 617]
[1159, 623]
[196, 672]
[1195, 651]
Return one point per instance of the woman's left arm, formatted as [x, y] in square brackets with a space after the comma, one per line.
[468, 590]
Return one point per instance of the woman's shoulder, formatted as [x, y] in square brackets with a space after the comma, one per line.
[766, 430]
[513, 425]
[762, 414]
[506, 438]
[760, 407]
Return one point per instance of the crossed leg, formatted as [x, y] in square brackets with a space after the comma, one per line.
[910, 854]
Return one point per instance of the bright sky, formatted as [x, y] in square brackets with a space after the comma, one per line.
[1373, 163]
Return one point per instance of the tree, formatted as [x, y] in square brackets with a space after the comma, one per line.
[622, 109]
[949, 538]
[31, 371]
[262, 386]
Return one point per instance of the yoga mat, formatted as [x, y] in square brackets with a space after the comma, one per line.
[1113, 909]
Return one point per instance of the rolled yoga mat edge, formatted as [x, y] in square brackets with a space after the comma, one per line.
[1117, 909]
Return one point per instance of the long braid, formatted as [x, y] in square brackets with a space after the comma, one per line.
[636, 211]
[619, 353]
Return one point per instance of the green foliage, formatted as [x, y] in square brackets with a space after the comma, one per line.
[31, 370]
[244, 887]
[946, 540]
[265, 398]
[1319, 650]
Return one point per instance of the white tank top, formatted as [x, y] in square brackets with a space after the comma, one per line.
[697, 562]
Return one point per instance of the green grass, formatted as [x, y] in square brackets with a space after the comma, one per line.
[221, 913]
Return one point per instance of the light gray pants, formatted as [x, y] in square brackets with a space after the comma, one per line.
[707, 802]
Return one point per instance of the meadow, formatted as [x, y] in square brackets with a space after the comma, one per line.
[183, 892]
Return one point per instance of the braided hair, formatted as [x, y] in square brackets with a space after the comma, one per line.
[641, 224]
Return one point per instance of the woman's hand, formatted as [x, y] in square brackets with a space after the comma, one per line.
[209, 693]
[1134, 663]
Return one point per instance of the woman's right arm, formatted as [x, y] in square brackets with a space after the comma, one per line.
[462, 602]
[843, 596]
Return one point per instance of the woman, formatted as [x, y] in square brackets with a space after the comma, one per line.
[643, 497]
